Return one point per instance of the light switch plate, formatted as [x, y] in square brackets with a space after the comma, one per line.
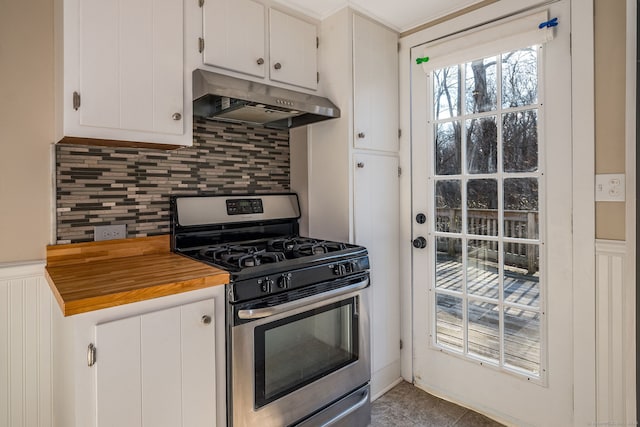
[610, 188]
[109, 232]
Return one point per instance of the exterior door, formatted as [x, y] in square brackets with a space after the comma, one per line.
[491, 135]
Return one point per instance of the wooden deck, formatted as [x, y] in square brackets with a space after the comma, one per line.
[521, 326]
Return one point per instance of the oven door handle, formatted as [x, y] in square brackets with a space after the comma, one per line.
[260, 313]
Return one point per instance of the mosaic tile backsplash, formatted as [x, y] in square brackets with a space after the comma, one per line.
[107, 186]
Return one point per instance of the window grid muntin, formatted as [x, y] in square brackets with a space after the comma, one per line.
[464, 236]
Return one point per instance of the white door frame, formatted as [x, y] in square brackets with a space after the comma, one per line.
[630, 214]
[584, 285]
[583, 134]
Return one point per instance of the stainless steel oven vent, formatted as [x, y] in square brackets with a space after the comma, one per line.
[221, 97]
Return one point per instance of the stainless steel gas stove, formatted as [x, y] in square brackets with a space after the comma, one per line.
[297, 310]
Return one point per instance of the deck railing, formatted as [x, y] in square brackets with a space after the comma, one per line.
[484, 222]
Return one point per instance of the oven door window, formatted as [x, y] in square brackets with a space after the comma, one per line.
[297, 350]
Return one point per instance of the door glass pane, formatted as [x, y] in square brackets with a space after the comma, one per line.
[484, 335]
[480, 85]
[522, 339]
[449, 264]
[520, 141]
[482, 271]
[522, 274]
[482, 145]
[449, 321]
[486, 186]
[520, 77]
[297, 350]
[521, 208]
[448, 152]
[482, 203]
[446, 92]
[448, 206]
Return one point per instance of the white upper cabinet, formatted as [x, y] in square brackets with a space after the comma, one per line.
[375, 86]
[234, 34]
[293, 50]
[250, 37]
[123, 71]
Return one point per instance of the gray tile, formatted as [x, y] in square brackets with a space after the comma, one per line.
[473, 419]
[408, 406]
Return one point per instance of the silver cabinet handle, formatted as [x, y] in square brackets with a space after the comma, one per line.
[277, 65]
[176, 116]
[206, 320]
[260, 61]
[260, 313]
[91, 355]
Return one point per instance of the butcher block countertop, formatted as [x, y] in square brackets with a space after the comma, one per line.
[95, 275]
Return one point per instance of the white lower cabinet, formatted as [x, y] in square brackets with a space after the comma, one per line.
[149, 366]
[162, 366]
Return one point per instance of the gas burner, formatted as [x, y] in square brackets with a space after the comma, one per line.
[217, 253]
[298, 247]
[252, 259]
[240, 256]
[288, 244]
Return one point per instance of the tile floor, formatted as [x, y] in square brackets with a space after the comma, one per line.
[408, 406]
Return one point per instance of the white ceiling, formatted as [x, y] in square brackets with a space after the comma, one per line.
[400, 15]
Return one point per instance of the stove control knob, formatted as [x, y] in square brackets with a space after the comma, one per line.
[339, 270]
[285, 281]
[265, 285]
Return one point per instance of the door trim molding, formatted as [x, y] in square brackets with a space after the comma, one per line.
[583, 137]
[630, 213]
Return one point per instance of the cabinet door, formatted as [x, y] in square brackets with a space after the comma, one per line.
[377, 227]
[157, 369]
[234, 35]
[375, 81]
[130, 59]
[293, 50]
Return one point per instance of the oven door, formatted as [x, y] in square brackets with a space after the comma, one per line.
[292, 360]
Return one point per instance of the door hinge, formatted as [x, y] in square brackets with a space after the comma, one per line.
[200, 44]
[200, 3]
[317, 42]
[91, 355]
[399, 133]
[318, 77]
[76, 101]
[399, 171]
[401, 345]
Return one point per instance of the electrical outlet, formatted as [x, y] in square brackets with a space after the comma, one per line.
[109, 232]
[610, 188]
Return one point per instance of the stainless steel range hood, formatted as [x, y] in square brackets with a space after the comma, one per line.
[220, 97]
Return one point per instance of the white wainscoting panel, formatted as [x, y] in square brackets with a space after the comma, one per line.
[25, 346]
[615, 329]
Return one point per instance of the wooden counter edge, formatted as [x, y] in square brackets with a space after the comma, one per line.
[86, 305]
[86, 252]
